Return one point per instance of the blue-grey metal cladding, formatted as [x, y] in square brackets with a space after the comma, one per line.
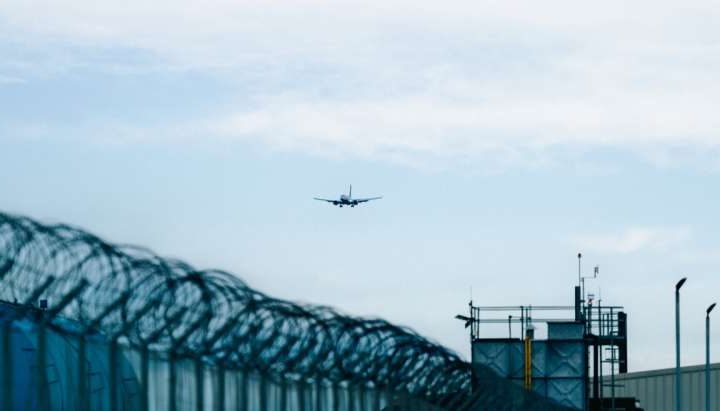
[655, 389]
[558, 364]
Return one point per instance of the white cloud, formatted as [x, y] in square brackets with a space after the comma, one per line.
[408, 80]
[635, 239]
[10, 80]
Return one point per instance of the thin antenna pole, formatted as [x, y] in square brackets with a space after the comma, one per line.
[579, 268]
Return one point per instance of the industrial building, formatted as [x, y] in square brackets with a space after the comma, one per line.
[582, 360]
[656, 389]
[581, 339]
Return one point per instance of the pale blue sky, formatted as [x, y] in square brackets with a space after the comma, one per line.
[504, 138]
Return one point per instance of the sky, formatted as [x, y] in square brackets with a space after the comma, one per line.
[505, 138]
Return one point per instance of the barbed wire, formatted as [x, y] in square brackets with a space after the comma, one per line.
[133, 295]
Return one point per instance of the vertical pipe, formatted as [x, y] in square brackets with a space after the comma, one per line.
[7, 371]
[612, 377]
[596, 371]
[678, 384]
[707, 362]
[528, 358]
[578, 315]
[708, 387]
[602, 384]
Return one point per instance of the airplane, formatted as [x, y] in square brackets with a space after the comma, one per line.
[347, 200]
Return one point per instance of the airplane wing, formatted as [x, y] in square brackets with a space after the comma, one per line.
[325, 199]
[362, 200]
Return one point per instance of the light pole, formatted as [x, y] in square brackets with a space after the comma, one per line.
[678, 385]
[707, 357]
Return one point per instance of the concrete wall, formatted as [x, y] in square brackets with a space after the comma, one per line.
[656, 389]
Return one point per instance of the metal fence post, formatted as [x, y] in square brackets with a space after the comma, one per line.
[301, 395]
[262, 388]
[283, 395]
[335, 397]
[112, 370]
[172, 382]
[351, 397]
[318, 395]
[377, 392]
[361, 394]
[221, 389]
[144, 375]
[199, 385]
[7, 371]
[82, 374]
[41, 376]
[242, 394]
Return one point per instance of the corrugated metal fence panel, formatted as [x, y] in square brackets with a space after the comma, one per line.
[241, 390]
[656, 389]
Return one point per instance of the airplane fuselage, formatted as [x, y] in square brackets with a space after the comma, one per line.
[345, 200]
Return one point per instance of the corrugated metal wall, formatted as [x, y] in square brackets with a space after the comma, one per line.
[656, 389]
